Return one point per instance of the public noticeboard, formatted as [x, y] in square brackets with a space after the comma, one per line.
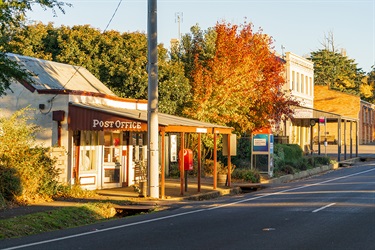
[262, 152]
[261, 143]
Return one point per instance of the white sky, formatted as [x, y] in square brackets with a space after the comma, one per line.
[299, 25]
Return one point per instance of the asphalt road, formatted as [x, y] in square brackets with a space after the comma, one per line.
[332, 211]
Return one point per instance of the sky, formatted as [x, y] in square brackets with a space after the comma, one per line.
[297, 26]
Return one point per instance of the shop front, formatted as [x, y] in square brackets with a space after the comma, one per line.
[109, 144]
[109, 150]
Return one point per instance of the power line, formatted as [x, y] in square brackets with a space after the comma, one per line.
[114, 13]
[92, 52]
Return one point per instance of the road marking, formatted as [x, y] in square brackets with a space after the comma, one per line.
[182, 214]
[329, 205]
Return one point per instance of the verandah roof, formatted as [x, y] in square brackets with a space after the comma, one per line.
[81, 115]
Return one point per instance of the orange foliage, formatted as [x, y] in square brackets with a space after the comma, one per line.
[241, 85]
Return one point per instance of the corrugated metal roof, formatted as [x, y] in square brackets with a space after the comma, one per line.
[171, 122]
[49, 75]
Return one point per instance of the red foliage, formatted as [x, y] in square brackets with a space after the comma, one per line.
[241, 86]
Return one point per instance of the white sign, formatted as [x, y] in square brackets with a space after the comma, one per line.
[260, 142]
[201, 130]
[115, 124]
[303, 113]
[173, 148]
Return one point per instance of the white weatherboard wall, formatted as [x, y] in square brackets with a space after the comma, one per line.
[58, 85]
[20, 98]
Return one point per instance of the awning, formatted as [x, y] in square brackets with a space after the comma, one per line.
[315, 114]
[98, 117]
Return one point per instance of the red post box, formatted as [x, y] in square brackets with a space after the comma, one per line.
[188, 159]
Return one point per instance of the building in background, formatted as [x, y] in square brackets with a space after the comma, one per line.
[367, 123]
[350, 106]
[299, 82]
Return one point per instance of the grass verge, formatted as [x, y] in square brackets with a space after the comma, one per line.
[56, 219]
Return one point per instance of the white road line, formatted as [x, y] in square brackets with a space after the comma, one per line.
[329, 205]
[182, 214]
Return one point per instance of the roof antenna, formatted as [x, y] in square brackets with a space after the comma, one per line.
[179, 18]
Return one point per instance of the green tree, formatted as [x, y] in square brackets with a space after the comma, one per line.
[119, 60]
[368, 86]
[336, 71]
[174, 87]
[12, 16]
[198, 45]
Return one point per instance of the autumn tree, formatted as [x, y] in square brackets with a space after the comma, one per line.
[119, 60]
[12, 16]
[368, 87]
[240, 86]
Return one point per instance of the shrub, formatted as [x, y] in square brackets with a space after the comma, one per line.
[10, 184]
[298, 164]
[278, 156]
[26, 168]
[288, 159]
[243, 152]
[174, 170]
[208, 167]
[3, 202]
[322, 160]
[285, 169]
[73, 191]
[245, 174]
[291, 151]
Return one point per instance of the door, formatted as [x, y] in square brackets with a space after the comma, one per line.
[111, 160]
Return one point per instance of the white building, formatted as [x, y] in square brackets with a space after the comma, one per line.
[99, 139]
[299, 78]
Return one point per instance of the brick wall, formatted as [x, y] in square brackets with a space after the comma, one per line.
[346, 105]
[367, 123]
[336, 102]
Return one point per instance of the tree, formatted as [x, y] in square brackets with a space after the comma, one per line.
[199, 44]
[336, 71]
[239, 82]
[368, 87]
[119, 60]
[12, 15]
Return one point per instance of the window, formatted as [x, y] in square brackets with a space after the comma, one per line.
[140, 150]
[89, 141]
[111, 147]
[112, 154]
[298, 82]
[307, 85]
[293, 80]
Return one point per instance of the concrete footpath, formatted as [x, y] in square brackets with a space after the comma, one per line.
[129, 198]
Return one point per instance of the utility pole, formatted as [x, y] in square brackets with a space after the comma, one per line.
[152, 103]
